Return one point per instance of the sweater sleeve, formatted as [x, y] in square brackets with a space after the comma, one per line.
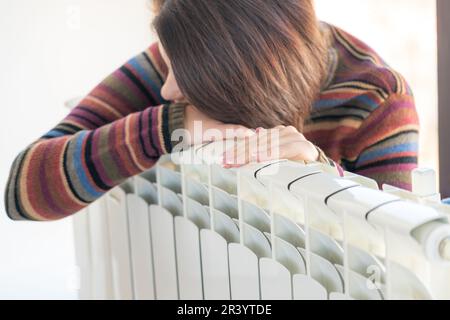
[385, 147]
[118, 130]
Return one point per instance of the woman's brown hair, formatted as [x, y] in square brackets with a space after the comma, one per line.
[257, 63]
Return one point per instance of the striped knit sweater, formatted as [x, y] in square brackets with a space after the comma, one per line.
[364, 120]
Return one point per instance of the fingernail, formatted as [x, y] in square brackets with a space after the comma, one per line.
[225, 159]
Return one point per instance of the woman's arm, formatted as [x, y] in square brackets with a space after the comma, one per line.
[119, 130]
[385, 147]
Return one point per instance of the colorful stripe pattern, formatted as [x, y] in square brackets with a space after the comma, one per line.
[364, 120]
[119, 130]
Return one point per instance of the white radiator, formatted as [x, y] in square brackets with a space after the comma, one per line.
[191, 230]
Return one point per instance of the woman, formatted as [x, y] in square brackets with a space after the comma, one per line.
[258, 64]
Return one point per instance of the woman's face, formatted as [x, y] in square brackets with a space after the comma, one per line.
[170, 90]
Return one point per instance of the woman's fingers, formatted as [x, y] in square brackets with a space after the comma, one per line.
[266, 145]
[245, 150]
[249, 148]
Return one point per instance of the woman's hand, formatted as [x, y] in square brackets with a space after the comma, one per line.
[200, 128]
[253, 146]
[266, 145]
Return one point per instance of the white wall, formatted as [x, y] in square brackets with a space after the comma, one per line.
[50, 51]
